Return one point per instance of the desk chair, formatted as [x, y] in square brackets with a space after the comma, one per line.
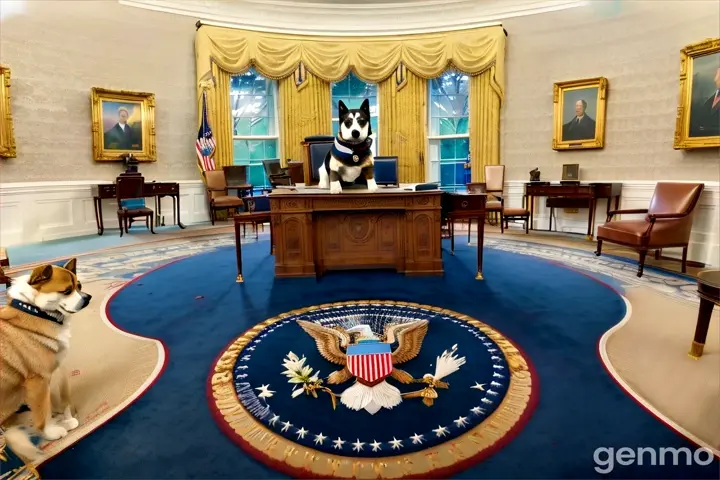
[217, 194]
[667, 222]
[131, 203]
[316, 148]
[275, 173]
[386, 170]
[236, 179]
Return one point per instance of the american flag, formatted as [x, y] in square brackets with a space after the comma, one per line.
[205, 143]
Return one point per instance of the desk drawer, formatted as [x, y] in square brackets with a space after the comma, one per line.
[560, 191]
[103, 191]
[161, 189]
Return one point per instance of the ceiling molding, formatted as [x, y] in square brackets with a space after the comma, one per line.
[364, 18]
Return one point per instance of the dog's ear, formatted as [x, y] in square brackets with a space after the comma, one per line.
[71, 265]
[40, 274]
[365, 107]
[342, 109]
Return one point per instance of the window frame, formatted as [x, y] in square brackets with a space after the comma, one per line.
[336, 120]
[276, 137]
[433, 141]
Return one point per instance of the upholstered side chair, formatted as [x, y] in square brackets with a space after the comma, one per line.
[217, 193]
[493, 186]
[131, 203]
[667, 222]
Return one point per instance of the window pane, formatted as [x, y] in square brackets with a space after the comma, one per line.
[253, 105]
[447, 174]
[248, 152]
[241, 152]
[270, 149]
[256, 175]
[462, 148]
[449, 104]
[447, 150]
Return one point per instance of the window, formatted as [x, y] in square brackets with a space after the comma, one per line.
[448, 135]
[352, 91]
[255, 129]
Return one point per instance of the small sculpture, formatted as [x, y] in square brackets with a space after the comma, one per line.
[535, 175]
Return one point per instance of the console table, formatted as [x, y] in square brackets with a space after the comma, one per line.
[392, 228]
[592, 192]
[157, 190]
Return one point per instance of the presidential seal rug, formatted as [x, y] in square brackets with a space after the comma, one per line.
[406, 390]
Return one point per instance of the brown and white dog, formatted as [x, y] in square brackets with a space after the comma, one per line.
[34, 339]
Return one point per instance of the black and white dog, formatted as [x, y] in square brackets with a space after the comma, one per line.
[350, 156]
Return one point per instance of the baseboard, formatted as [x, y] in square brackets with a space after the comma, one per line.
[45, 211]
[704, 240]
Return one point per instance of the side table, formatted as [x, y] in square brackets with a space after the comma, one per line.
[709, 293]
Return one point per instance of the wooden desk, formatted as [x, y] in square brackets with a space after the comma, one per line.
[392, 228]
[466, 206]
[590, 191]
[157, 190]
[709, 293]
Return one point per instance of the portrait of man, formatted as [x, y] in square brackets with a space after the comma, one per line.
[122, 126]
[579, 107]
[705, 97]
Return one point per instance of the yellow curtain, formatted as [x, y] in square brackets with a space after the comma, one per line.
[484, 122]
[374, 59]
[402, 125]
[303, 112]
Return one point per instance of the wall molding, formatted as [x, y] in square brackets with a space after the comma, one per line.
[32, 212]
[346, 18]
[704, 239]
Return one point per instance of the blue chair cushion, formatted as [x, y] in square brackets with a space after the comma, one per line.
[133, 203]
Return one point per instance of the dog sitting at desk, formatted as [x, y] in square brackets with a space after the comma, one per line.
[350, 157]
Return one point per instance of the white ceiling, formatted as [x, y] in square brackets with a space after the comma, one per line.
[360, 17]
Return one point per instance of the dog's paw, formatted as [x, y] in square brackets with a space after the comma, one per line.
[335, 187]
[372, 185]
[54, 432]
[69, 423]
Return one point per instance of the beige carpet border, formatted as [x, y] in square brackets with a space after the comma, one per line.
[602, 350]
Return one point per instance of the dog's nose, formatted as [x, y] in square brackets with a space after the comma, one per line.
[86, 298]
[355, 133]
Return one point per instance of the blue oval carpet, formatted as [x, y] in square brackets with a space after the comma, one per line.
[554, 314]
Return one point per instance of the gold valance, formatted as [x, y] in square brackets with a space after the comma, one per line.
[373, 59]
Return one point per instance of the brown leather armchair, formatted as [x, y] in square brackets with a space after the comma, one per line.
[667, 222]
[217, 192]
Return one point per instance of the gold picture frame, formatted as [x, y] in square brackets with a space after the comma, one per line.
[579, 114]
[123, 122]
[7, 131]
[698, 114]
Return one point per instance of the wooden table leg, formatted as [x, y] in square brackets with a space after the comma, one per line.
[98, 215]
[591, 212]
[452, 237]
[238, 252]
[180, 224]
[272, 239]
[480, 242]
[531, 201]
[701, 328]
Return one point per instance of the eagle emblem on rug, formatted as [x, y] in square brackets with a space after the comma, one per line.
[369, 359]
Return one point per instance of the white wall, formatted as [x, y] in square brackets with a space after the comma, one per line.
[42, 211]
[704, 239]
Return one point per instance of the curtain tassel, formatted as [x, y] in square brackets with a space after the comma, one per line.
[400, 77]
[301, 77]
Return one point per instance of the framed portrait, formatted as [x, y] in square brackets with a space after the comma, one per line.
[698, 114]
[7, 132]
[123, 122]
[579, 120]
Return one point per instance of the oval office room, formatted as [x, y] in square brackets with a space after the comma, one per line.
[359, 239]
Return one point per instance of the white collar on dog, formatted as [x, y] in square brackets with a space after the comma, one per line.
[342, 148]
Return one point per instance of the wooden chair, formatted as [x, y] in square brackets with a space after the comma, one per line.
[494, 187]
[131, 203]
[667, 222]
[495, 184]
[257, 212]
[510, 214]
[217, 194]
